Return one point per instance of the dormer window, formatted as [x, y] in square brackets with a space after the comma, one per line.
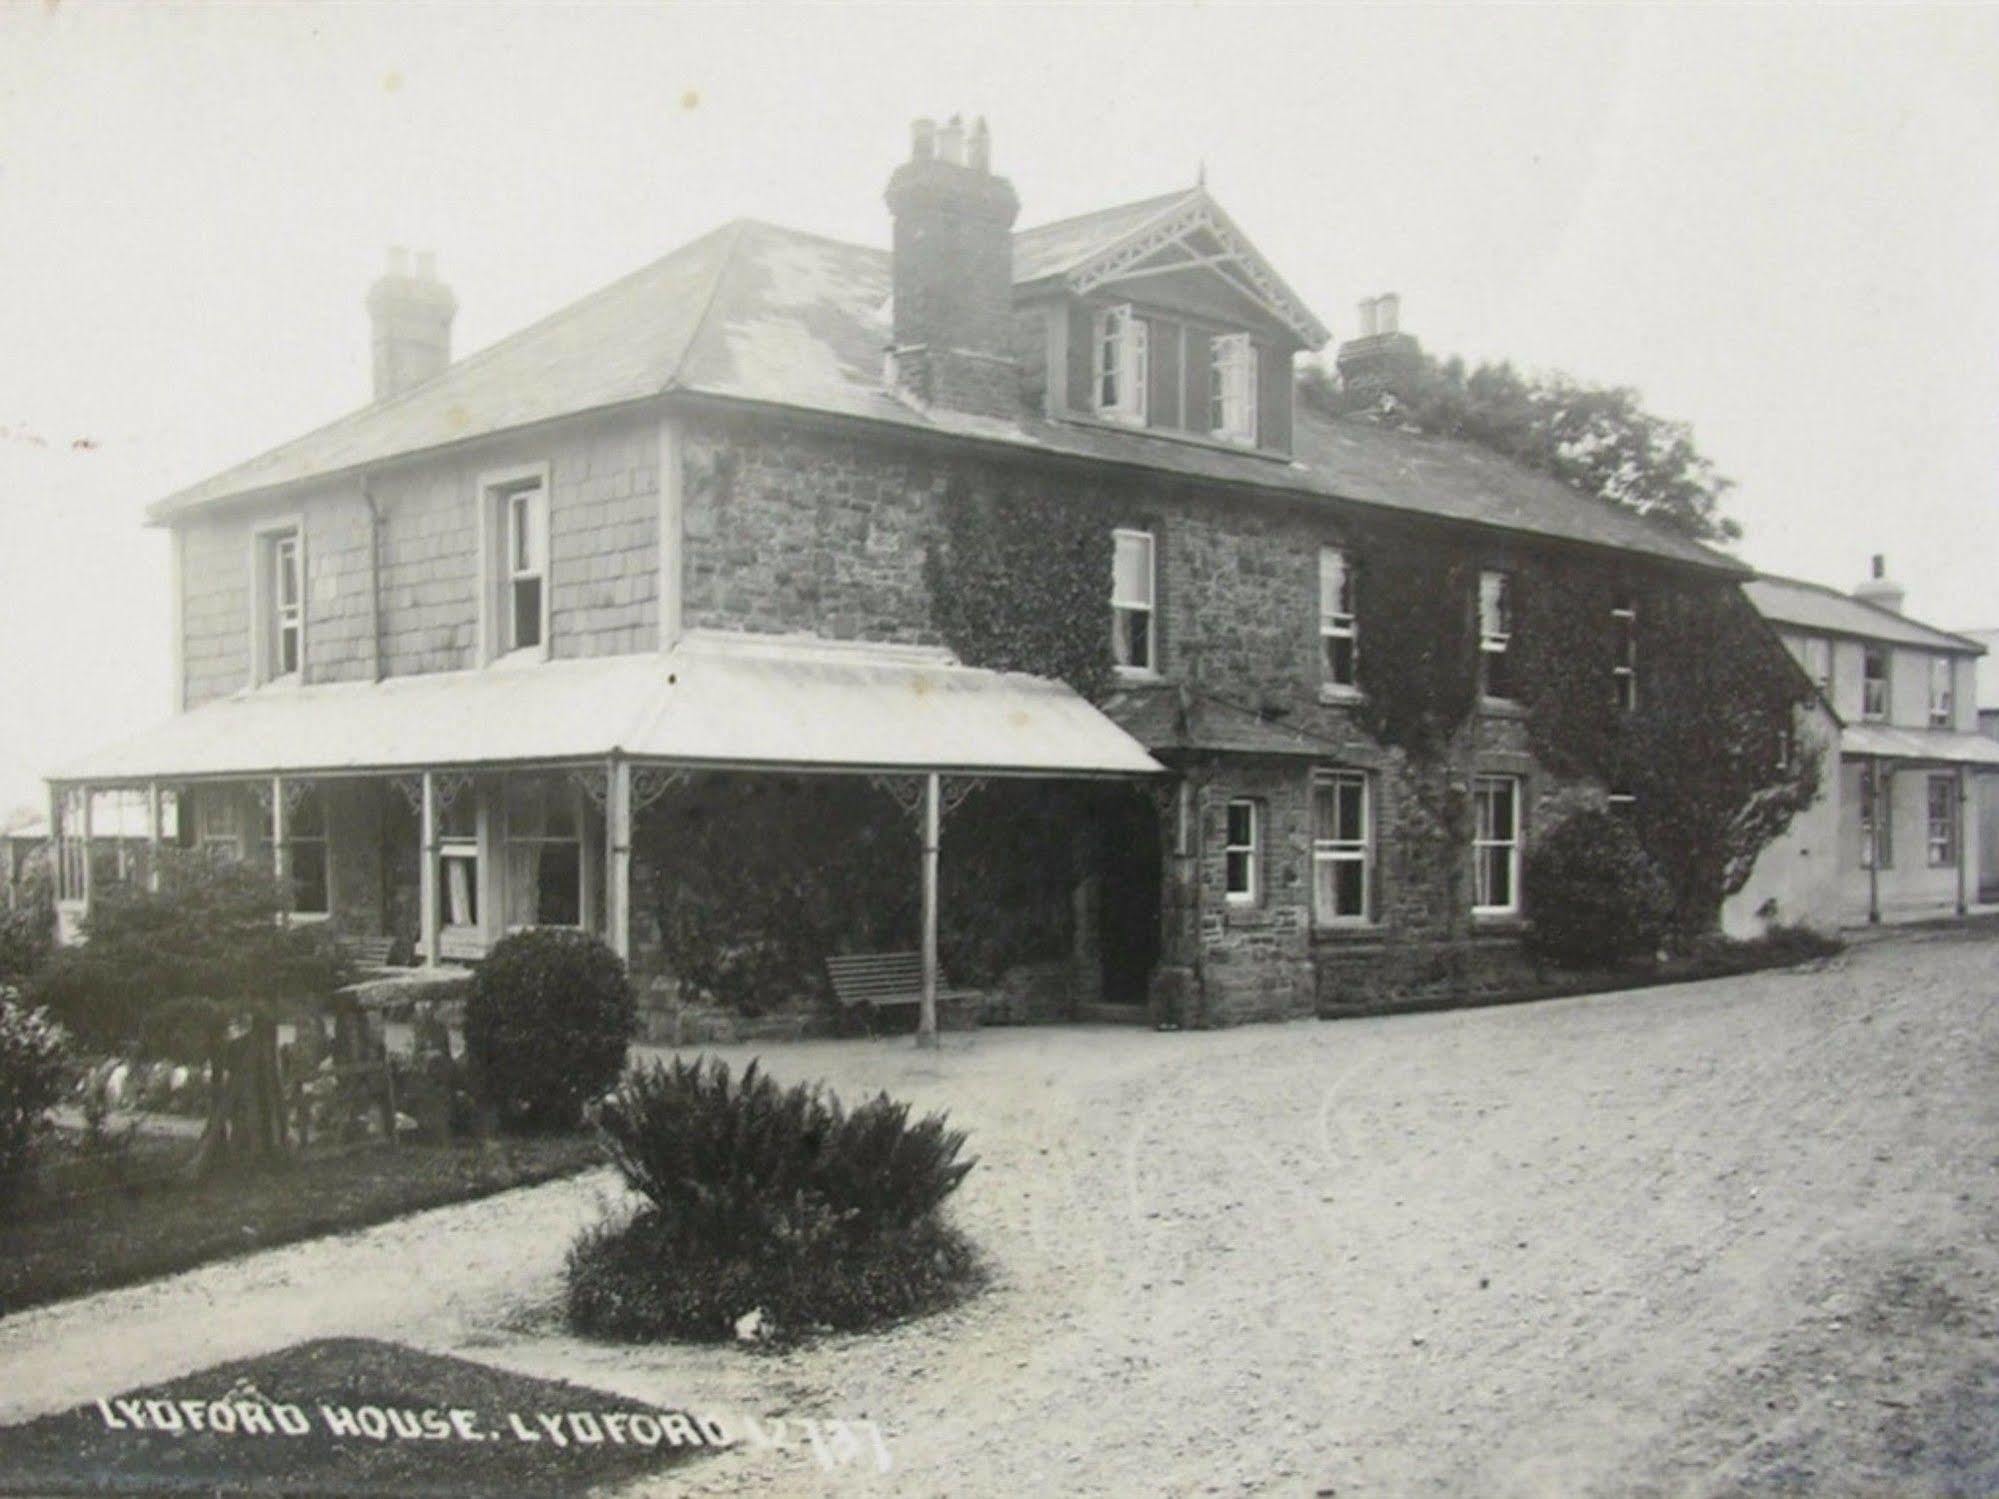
[1232, 390]
[1122, 365]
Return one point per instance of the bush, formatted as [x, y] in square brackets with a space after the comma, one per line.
[27, 934]
[546, 1027]
[1593, 897]
[35, 1071]
[765, 1199]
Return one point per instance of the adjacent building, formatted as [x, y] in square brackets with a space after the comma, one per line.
[1901, 820]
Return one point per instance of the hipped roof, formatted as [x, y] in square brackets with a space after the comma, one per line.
[757, 313]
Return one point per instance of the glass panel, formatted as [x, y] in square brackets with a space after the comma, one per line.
[1242, 824]
[1131, 578]
[1351, 824]
[1495, 604]
[1238, 872]
[1335, 585]
[458, 890]
[308, 871]
[1131, 638]
[527, 612]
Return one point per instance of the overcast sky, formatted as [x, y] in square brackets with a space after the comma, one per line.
[1781, 225]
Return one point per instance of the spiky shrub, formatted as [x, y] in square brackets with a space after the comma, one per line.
[546, 1027]
[762, 1198]
[35, 1069]
[1593, 896]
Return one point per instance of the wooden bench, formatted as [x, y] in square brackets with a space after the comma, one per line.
[364, 951]
[871, 982]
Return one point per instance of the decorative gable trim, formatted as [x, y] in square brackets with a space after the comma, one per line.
[1236, 261]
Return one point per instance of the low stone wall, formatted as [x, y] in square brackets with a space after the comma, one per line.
[1359, 977]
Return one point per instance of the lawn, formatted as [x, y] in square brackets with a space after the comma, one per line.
[351, 1416]
[69, 1247]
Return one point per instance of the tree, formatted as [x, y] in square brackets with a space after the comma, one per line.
[1598, 438]
[210, 951]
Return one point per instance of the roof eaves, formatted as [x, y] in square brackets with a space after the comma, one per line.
[1960, 641]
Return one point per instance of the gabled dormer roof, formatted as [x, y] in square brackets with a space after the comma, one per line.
[1179, 231]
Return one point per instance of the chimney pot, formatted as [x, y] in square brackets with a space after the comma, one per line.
[951, 142]
[979, 150]
[1388, 313]
[410, 318]
[1880, 565]
[1379, 359]
[1366, 311]
[1878, 588]
[923, 140]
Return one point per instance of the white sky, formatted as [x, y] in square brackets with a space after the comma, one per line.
[1781, 224]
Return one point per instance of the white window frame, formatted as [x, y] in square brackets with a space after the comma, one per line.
[464, 939]
[1338, 620]
[1345, 850]
[1232, 394]
[1494, 643]
[1249, 851]
[1877, 819]
[557, 785]
[1148, 606]
[267, 622]
[1482, 842]
[1943, 698]
[1869, 709]
[1942, 835]
[1624, 670]
[1121, 361]
[498, 573]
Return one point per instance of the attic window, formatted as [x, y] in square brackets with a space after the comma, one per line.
[1121, 365]
[1232, 392]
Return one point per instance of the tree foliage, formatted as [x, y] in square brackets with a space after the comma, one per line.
[1018, 582]
[1598, 438]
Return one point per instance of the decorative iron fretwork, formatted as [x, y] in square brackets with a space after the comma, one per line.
[651, 782]
[908, 792]
[450, 786]
[412, 789]
[595, 782]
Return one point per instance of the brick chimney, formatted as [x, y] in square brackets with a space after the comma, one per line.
[953, 282]
[1381, 358]
[411, 312]
[1878, 588]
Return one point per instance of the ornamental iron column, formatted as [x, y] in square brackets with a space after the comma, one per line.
[427, 872]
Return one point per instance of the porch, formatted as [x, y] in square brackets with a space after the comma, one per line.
[1910, 843]
[442, 812]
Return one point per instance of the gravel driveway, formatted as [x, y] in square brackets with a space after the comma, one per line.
[1696, 1239]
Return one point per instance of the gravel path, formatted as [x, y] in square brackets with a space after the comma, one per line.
[1688, 1240]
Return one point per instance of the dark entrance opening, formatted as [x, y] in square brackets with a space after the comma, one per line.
[1129, 857]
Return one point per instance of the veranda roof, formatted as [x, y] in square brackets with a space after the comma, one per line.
[1931, 746]
[777, 702]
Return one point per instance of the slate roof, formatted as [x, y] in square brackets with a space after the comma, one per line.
[1050, 249]
[771, 315]
[1813, 606]
[1165, 719]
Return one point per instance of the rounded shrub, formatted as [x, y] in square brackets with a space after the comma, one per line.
[770, 1204]
[547, 1024]
[1593, 895]
[35, 1070]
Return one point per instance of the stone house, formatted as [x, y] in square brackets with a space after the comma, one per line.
[439, 659]
[1906, 698]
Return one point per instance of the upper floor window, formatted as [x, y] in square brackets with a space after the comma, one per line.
[1496, 846]
[1232, 389]
[1874, 682]
[1624, 669]
[1339, 628]
[1816, 656]
[1132, 586]
[1943, 709]
[1239, 855]
[516, 547]
[280, 604]
[1122, 366]
[1495, 633]
[1342, 847]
